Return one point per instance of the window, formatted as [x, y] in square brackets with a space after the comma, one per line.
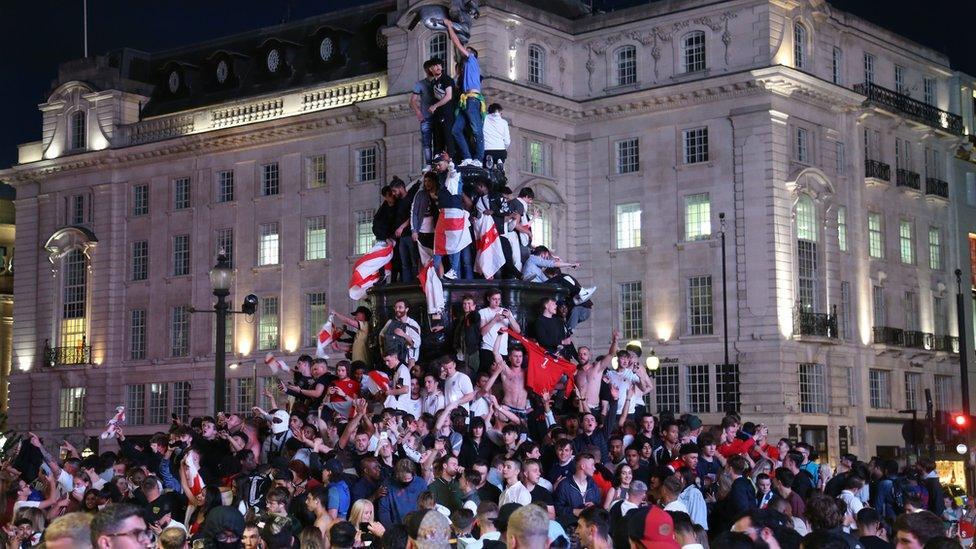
[697, 383]
[666, 386]
[913, 387]
[632, 310]
[693, 52]
[224, 241]
[939, 315]
[928, 90]
[225, 186]
[74, 300]
[868, 68]
[267, 323]
[626, 61]
[842, 228]
[879, 306]
[935, 249]
[700, 305]
[628, 226]
[944, 398]
[316, 171]
[840, 156]
[140, 200]
[316, 313]
[837, 66]
[437, 47]
[541, 226]
[72, 409]
[179, 331]
[875, 236]
[844, 318]
[903, 154]
[364, 231]
[181, 193]
[698, 217]
[808, 276]
[537, 64]
[911, 311]
[181, 255]
[852, 399]
[628, 156]
[366, 164]
[537, 157]
[900, 80]
[813, 389]
[158, 403]
[135, 404]
[181, 400]
[268, 244]
[728, 387]
[802, 145]
[906, 244]
[272, 385]
[79, 130]
[315, 238]
[799, 45]
[695, 145]
[140, 260]
[137, 334]
[933, 163]
[879, 384]
[78, 209]
[872, 144]
[269, 179]
[245, 394]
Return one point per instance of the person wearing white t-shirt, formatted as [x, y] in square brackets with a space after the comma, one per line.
[414, 402]
[628, 373]
[433, 397]
[457, 385]
[515, 491]
[398, 395]
[493, 318]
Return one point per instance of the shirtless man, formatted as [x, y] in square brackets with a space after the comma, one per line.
[590, 374]
[515, 397]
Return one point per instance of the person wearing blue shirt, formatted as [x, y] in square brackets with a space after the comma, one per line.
[399, 494]
[471, 107]
[339, 497]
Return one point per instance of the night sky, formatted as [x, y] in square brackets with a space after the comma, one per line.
[36, 35]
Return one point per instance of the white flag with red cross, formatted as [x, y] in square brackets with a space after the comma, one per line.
[433, 289]
[369, 268]
[490, 256]
[451, 233]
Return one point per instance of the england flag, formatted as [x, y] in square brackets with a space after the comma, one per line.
[433, 289]
[451, 233]
[369, 268]
[490, 256]
[327, 338]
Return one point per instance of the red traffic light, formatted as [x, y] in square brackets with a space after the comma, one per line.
[960, 421]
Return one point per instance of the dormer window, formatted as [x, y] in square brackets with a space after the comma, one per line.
[79, 130]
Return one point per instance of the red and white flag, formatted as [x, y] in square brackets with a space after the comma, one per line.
[433, 289]
[276, 364]
[328, 336]
[376, 382]
[193, 478]
[369, 268]
[490, 256]
[451, 233]
[117, 420]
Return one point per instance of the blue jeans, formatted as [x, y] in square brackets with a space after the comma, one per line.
[409, 257]
[577, 315]
[471, 114]
[461, 263]
[427, 138]
[453, 259]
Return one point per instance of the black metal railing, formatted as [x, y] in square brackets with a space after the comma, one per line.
[936, 187]
[905, 178]
[918, 340]
[947, 343]
[877, 169]
[887, 335]
[815, 324]
[913, 109]
[67, 355]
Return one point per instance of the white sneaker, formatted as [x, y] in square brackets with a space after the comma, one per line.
[476, 163]
[450, 275]
[466, 162]
[584, 295]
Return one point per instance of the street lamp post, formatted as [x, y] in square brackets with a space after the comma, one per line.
[727, 388]
[221, 278]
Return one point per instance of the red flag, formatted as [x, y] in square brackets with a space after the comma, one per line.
[489, 257]
[433, 289]
[368, 268]
[328, 337]
[544, 369]
[451, 233]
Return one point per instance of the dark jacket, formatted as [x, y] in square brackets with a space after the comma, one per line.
[936, 495]
[568, 496]
[742, 497]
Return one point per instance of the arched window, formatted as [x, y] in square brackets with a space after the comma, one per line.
[693, 52]
[78, 130]
[437, 47]
[808, 268]
[799, 45]
[74, 299]
[537, 64]
[625, 59]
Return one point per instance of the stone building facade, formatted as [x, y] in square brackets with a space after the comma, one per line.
[824, 140]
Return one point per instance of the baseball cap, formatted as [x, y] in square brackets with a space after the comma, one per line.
[434, 531]
[653, 527]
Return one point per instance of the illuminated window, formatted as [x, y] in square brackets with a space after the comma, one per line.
[879, 383]
[693, 52]
[698, 217]
[316, 313]
[628, 226]
[626, 65]
[364, 232]
[268, 323]
[935, 249]
[437, 48]
[842, 228]
[875, 236]
[799, 45]
[906, 241]
[158, 404]
[700, 305]
[541, 226]
[268, 252]
[537, 159]
[315, 238]
[632, 310]
[74, 299]
[72, 408]
[316, 171]
[913, 388]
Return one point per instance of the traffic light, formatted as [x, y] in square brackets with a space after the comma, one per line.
[958, 430]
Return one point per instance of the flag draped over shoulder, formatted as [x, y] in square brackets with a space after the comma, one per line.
[544, 369]
[433, 289]
[451, 233]
[490, 256]
[369, 268]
